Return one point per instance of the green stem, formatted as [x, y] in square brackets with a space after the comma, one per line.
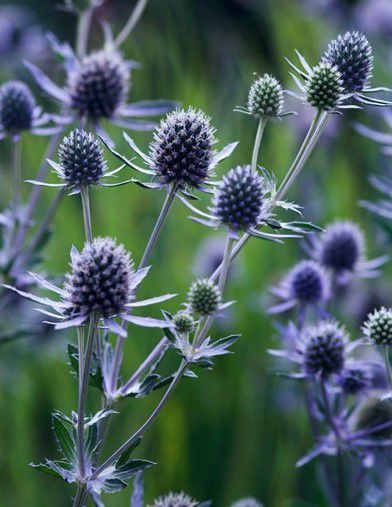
[256, 147]
[81, 496]
[85, 362]
[113, 458]
[158, 226]
[131, 23]
[86, 213]
[16, 172]
[388, 367]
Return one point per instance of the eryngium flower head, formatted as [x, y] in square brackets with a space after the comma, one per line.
[308, 283]
[341, 246]
[183, 322]
[175, 500]
[239, 199]
[265, 97]
[98, 86]
[204, 297]
[247, 502]
[17, 106]
[324, 88]
[81, 159]
[324, 349]
[352, 55]
[182, 149]
[378, 326]
[354, 379]
[377, 414]
[100, 279]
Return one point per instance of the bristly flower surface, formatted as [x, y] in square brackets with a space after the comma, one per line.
[175, 500]
[19, 112]
[355, 379]
[182, 149]
[341, 250]
[102, 282]
[352, 55]
[307, 284]
[378, 327]
[97, 88]
[341, 77]
[204, 297]
[81, 164]
[265, 99]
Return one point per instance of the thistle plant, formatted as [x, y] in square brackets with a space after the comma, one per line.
[99, 295]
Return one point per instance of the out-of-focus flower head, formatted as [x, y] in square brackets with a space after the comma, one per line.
[19, 112]
[341, 250]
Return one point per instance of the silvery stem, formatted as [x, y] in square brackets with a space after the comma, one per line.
[131, 23]
[158, 226]
[86, 213]
[113, 458]
[256, 147]
[81, 496]
[83, 386]
[388, 367]
[16, 172]
[83, 30]
[145, 365]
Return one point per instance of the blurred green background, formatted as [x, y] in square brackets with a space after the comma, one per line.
[237, 430]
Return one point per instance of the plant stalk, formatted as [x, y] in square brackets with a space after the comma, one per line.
[16, 173]
[86, 213]
[83, 30]
[256, 147]
[131, 23]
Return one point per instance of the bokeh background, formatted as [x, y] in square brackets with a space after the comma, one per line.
[239, 429]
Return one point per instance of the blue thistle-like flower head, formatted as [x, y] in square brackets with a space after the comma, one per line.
[240, 199]
[17, 105]
[81, 159]
[341, 246]
[324, 351]
[101, 279]
[175, 500]
[183, 322]
[308, 283]
[378, 326]
[265, 97]
[204, 297]
[352, 55]
[354, 379]
[377, 414]
[325, 87]
[98, 85]
[182, 149]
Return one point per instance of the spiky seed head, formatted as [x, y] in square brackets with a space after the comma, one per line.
[341, 246]
[352, 55]
[183, 322]
[374, 413]
[247, 502]
[99, 85]
[240, 198]
[175, 500]
[81, 159]
[324, 348]
[378, 326]
[17, 105]
[309, 283]
[100, 279]
[204, 297]
[325, 87]
[182, 149]
[354, 379]
[265, 97]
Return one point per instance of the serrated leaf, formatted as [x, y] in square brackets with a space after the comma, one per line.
[64, 438]
[46, 469]
[113, 485]
[124, 458]
[131, 468]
